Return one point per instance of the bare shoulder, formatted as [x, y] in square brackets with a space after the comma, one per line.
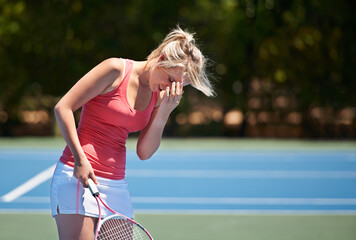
[113, 63]
[114, 68]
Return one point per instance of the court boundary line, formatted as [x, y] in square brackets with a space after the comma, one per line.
[275, 174]
[143, 211]
[245, 201]
[219, 201]
[243, 212]
[29, 184]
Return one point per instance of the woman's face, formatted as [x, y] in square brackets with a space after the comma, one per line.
[162, 78]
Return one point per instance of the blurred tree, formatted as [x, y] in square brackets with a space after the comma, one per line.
[305, 47]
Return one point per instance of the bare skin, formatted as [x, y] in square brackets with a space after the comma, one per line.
[103, 78]
[75, 226]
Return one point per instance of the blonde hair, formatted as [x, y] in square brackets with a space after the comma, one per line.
[179, 50]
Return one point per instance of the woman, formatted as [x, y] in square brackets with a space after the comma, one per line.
[117, 97]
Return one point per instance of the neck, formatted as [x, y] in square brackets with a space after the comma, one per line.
[143, 72]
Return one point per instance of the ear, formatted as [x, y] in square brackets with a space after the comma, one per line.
[162, 57]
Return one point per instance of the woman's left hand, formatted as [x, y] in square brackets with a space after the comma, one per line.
[171, 98]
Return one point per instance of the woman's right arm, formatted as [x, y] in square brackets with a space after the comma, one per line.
[101, 79]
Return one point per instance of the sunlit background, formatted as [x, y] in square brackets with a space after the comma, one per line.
[281, 69]
[271, 157]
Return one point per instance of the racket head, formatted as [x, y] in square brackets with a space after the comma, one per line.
[118, 227]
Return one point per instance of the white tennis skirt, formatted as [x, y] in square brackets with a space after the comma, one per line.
[68, 196]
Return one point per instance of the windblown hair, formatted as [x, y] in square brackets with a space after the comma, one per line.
[179, 50]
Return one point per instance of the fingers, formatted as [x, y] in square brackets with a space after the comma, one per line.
[174, 94]
[84, 180]
[83, 171]
[177, 90]
[173, 89]
[92, 176]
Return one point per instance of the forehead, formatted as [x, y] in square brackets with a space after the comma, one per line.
[178, 75]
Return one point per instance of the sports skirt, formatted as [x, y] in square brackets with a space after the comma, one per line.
[68, 196]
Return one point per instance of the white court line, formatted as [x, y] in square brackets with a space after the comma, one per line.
[221, 201]
[46, 174]
[29, 185]
[247, 201]
[206, 211]
[31, 200]
[284, 174]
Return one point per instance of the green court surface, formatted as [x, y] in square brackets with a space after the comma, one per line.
[207, 227]
[196, 143]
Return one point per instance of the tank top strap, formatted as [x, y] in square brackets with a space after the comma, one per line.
[128, 65]
[124, 62]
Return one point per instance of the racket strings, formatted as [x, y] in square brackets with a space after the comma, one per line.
[121, 229]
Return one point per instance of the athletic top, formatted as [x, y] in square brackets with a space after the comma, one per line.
[104, 126]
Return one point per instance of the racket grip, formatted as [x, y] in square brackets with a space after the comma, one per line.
[92, 187]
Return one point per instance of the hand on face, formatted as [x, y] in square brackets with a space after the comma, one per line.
[172, 97]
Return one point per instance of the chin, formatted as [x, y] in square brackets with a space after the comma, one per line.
[156, 89]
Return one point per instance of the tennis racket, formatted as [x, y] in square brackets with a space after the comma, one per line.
[117, 226]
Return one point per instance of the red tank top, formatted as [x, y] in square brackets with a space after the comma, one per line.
[104, 126]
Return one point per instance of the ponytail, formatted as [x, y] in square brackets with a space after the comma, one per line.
[178, 49]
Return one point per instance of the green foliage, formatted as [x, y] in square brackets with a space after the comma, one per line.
[304, 46]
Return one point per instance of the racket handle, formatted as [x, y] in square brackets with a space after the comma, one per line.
[92, 187]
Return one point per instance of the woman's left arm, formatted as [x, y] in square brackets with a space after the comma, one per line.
[150, 137]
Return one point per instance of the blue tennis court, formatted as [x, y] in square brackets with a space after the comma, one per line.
[203, 181]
